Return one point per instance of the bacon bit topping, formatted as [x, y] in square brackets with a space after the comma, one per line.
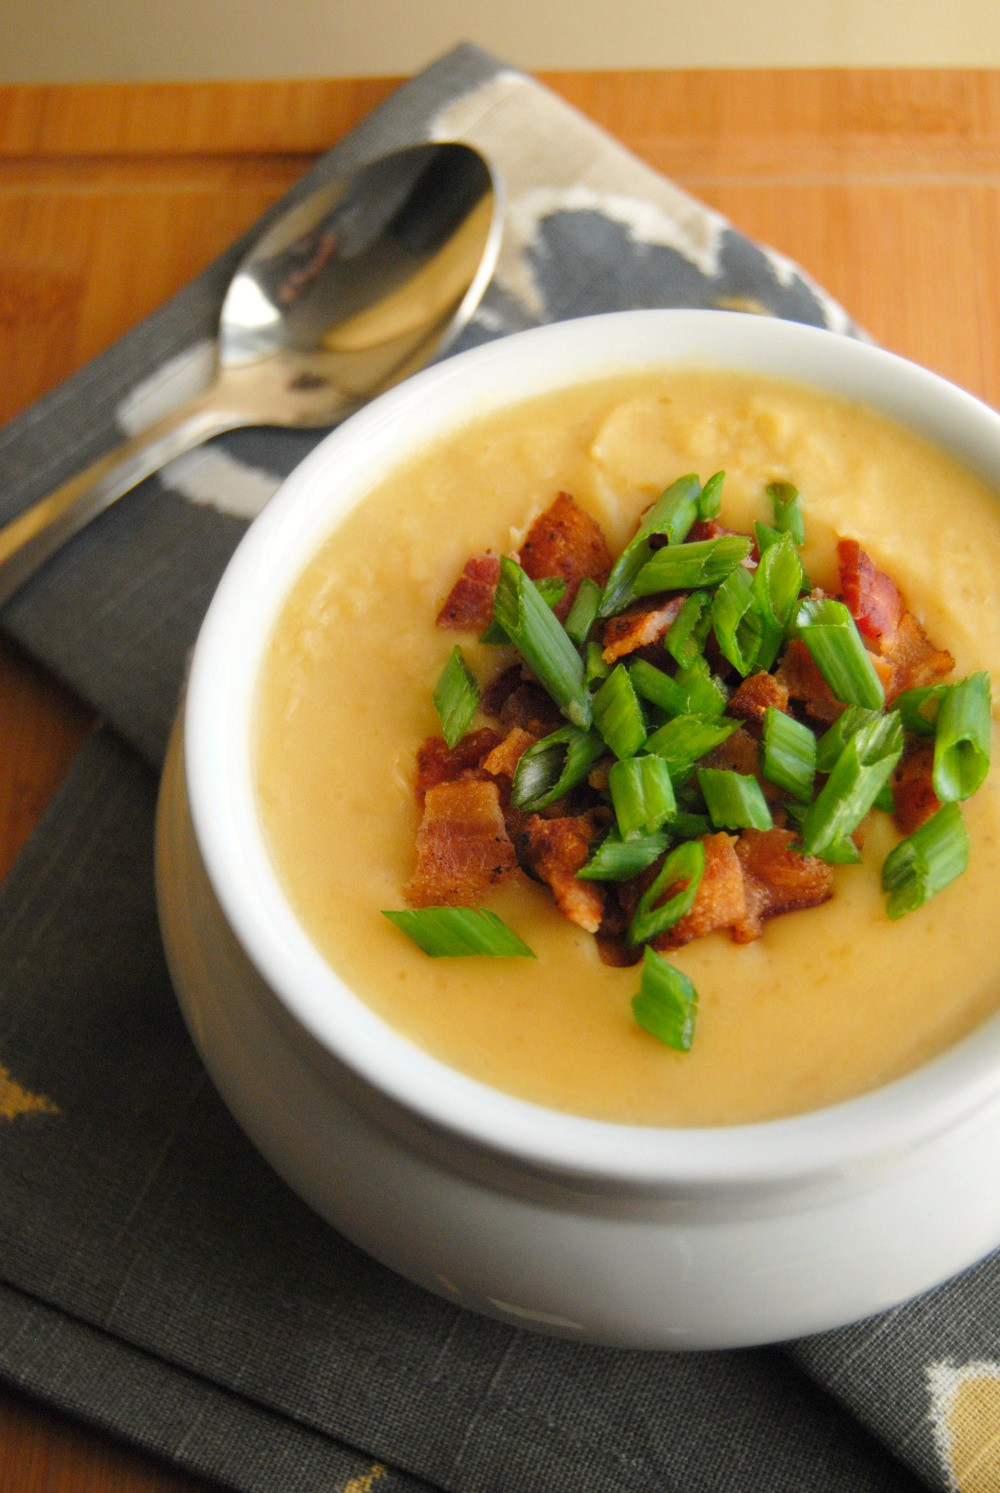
[639, 626]
[777, 879]
[752, 697]
[437, 762]
[566, 541]
[872, 597]
[530, 707]
[913, 788]
[797, 673]
[720, 901]
[503, 759]
[915, 660]
[463, 849]
[553, 850]
[469, 606]
[892, 631]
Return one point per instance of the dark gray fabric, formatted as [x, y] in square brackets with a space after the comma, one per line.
[155, 1276]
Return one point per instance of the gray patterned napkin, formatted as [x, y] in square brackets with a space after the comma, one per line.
[155, 1277]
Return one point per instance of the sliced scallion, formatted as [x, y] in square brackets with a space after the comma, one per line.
[683, 868]
[551, 588]
[962, 739]
[836, 737]
[554, 765]
[683, 741]
[739, 629]
[642, 795]
[856, 779]
[926, 861]
[683, 567]
[616, 859]
[710, 502]
[831, 635]
[734, 800]
[788, 754]
[453, 932]
[671, 515]
[618, 714]
[594, 667]
[918, 708]
[787, 507]
[667, 1003]
[541, 641]
[581, 615]
[456, 697]
[686, 636]
[777, 583]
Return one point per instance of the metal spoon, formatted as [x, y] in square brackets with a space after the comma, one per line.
[349, 292]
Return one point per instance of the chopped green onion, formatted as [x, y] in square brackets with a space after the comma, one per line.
[683, 868]
[962, 739]
[581, 615]
[618, 714]
[684, 825]
[684, 740]
[692, 691]
[918, 707]
[885, 800]
[833, 741]
[734, 800]
[787, 510]
[858, 776]
[554, 765]
[788, 754]
[686, 636]
[541, 641]
[926, 861]
[739, 629]
[681, 567]
[667, 1003]
[843, 853]
[616, 859]
[831, 635]
[672, 514]
[777, 583]
[551, 588]
[594, 668]
[642, 795]
[765, 536]
[710, 502]
[452, 932]
[456, 697]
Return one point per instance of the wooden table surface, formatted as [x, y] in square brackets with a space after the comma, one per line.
[884, 185]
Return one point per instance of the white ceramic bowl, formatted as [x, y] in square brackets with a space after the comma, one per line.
[617, 1234]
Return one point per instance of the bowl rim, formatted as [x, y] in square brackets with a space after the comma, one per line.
[838, 1139]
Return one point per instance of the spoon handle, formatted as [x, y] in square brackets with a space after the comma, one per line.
[37, 533]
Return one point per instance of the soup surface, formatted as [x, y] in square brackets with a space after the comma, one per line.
[829, 1002]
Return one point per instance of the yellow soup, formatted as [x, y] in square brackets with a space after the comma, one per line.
[830, 1002]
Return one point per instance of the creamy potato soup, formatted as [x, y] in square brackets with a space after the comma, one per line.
[830, 1001]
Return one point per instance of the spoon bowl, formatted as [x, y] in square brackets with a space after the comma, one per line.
[350, 291]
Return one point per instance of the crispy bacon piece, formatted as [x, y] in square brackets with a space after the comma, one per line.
[752, 697]
[437, 762]
[890, 629]
[720, 901]
[469, 607]
[639, 626]
[913, 788]
[915, 660]
[532, 709]
[872, 597]
[777, 878]
[566, 541]
[503, 759]
[463, 849]
[553, 850]
[798, 674]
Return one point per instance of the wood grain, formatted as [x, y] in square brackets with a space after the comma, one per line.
[885, 185]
